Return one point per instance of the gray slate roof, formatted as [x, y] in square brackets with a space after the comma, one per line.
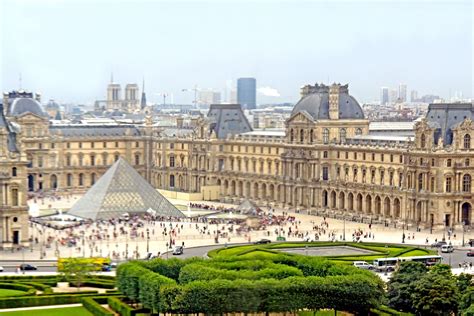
[20, 106]
[317, 106]
[86, 131]
[122, 190]
[11, 138]
[227, 119]
[444, 117]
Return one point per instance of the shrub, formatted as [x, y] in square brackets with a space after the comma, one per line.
[95, 308]
[42, 300]
[150, 284]
[122, 308]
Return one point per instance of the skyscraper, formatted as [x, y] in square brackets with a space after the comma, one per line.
[402, 92]
[247, 92]
[383, 96]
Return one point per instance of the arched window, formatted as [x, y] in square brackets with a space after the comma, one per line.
[69, 180]
[311, 136]
[423, 141]
[137, 159]
[342, 135]
[92, 159]
[81, 179]
[301, 136]
[448, 185]
[358, 131]
[467, 141]
[92, 179]
[326, 136]
[466, 183]
[14, 172]
[172, 181]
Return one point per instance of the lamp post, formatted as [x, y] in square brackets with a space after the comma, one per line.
[344, 228]
[463, 230]
[147, 240]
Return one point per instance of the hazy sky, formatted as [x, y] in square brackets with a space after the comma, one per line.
[68, 49]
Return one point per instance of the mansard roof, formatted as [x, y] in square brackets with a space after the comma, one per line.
[227, 119]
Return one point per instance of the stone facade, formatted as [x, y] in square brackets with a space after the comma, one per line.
[326, 161]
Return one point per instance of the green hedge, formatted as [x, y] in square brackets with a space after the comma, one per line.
[69, 293]
[124, 309]
[94, 283]
[43, 300]
[95, 308]
[39, 286]
[28, 290]
[383, 310]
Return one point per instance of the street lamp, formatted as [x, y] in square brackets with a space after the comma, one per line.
[147, 241]
[344, 228]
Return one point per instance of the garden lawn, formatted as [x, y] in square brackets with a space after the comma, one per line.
[8, 292]
[66, 311]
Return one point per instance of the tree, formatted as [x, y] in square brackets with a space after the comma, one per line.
[436, 293]
[76, 270]
[402, 285]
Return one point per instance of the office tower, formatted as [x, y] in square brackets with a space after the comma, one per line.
[209, 97]
[393, 96]
[413, 96]
[383, 96]
[247, 92]
[402, 92]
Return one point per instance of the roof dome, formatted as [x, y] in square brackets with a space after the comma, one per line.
[315, 102]
[26, 105]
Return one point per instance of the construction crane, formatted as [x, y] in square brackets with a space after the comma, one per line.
[195, 89]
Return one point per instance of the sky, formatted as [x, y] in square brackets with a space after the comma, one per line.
[68, 50]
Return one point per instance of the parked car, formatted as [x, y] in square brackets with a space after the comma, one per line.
[106, 267]
[470, 253]
[27, 266]
[447, 248]
[263, 241]
[179, 250]
[438, 244]
[113, 265]
[363, 265]
[1, 269]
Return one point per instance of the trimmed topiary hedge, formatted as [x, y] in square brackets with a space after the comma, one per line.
[28, 290]
[123, 308]
[281, 283]
[43, 300]
[93, 305]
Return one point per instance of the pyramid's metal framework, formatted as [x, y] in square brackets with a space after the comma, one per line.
[122, 190]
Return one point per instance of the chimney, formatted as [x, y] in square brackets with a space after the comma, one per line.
[334, 101]
[38, 97]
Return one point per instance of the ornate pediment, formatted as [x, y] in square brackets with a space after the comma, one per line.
[467, 125]
[300, 117]
[423, 126]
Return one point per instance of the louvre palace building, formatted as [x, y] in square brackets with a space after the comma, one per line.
[329, 158]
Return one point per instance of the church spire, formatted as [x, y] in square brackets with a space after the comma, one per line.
[143, 100]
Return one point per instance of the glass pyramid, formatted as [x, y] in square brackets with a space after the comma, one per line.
[122, 190]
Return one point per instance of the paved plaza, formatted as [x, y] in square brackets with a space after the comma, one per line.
[122, 241]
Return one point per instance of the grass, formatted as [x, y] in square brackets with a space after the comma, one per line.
[66, 311]
[379, 250]
[8, 292]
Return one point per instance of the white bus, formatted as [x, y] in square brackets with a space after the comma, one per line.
[390, 264]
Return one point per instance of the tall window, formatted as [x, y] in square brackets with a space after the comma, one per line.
[326, 136]
[325, 173]
[172, 181]
[15, 197]
[14, 172]
[342, 135]
[448, 185]
[466, 183]
[292, 135]
[432, 184]
[467, 141]
[301, 136]
[80, 160]
[358, 131]
[420, 182]
[423, 140]
[69, 180]
[467, 162]
[92, 179]
[81, 179]
[171, 161]
[92, 160]
[137, 159]
[448, 162]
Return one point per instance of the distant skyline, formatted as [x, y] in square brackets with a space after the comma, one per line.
[68, 49]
